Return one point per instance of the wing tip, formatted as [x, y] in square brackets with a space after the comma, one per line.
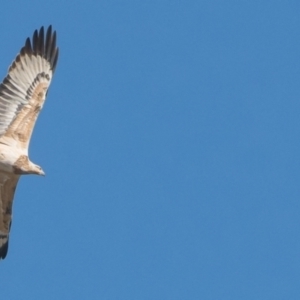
[4, 249]
[43, 45]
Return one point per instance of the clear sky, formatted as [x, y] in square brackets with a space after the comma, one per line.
[170, 139]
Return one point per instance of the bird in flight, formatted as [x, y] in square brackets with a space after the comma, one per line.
[22, 95]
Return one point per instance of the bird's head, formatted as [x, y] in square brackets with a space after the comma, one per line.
[35, 169]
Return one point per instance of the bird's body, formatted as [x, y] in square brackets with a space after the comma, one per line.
[22, 95]
[9, 158]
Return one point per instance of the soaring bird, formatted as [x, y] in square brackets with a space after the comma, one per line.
[22, 95]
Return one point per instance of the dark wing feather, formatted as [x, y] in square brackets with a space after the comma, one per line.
[8, 184]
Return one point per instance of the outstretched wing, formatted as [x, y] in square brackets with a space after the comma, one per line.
[8, 184]
[23, 91]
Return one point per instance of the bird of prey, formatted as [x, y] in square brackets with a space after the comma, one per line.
[22, 95]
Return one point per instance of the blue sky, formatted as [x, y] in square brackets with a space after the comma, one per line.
[170, 139]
